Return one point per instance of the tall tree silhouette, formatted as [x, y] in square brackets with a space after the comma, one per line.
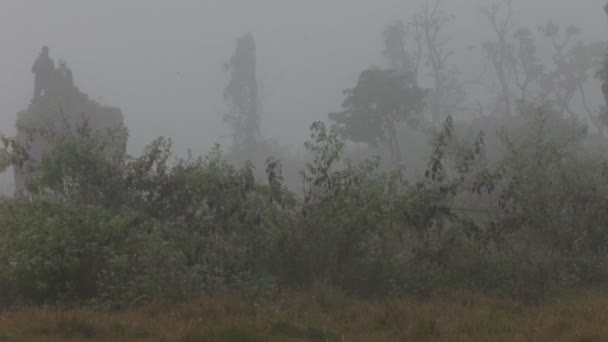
[395, 48]
[241, 93]
[430, 26]
[500, 52]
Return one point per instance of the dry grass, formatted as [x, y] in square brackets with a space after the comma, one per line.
[323, 315]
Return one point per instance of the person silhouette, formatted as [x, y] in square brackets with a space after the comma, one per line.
[43, 69]
[65, 73]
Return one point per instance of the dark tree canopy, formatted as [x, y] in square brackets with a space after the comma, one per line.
[381, 100]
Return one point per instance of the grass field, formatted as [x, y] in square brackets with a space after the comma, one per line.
[323, 315]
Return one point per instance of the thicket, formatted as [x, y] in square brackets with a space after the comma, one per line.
[102, 228]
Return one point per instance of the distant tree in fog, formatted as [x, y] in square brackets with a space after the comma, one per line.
[374, 108]
[500, 52]
[527, 67]
[602, 76]
[241, 94]
[395, 48]
[430, 25]
[516, 63]
[573, 65]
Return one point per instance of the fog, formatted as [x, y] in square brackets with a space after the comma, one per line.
[162, 61]
[432, 167]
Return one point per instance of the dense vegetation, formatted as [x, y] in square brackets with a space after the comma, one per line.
[106, 229]
[370, 241]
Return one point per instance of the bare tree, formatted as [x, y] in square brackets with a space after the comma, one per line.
[500, 51]
[573, 63]
[602, 75]
[429, 33]
[527, 67]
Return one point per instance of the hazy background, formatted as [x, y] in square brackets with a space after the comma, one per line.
[161, 61]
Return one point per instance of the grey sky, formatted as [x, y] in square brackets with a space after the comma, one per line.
[161, 60]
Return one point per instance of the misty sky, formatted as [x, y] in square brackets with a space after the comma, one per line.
[161, 61]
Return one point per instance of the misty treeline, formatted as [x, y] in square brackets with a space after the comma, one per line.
[513, 202]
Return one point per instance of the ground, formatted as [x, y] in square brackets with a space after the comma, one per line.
[324, 315]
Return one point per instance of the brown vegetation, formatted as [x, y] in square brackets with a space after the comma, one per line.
[323, 314]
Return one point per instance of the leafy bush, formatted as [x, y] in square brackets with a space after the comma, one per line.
[107, 229]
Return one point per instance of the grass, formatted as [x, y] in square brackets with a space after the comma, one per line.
[323, 314]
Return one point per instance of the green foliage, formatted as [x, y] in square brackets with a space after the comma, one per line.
[61, 252]
[116, 229]
[106, 229]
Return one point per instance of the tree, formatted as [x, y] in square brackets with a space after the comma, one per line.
[241, 93]
[500, 52]
[526, 65]
[395, 49]
[602, 75]
[514, 58]
[572, 66]
[429, 34]
[381, 100]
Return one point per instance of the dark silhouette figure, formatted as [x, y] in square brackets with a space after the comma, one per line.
[65, 74]
[63, 82]
[43, 70]
[58, 108]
